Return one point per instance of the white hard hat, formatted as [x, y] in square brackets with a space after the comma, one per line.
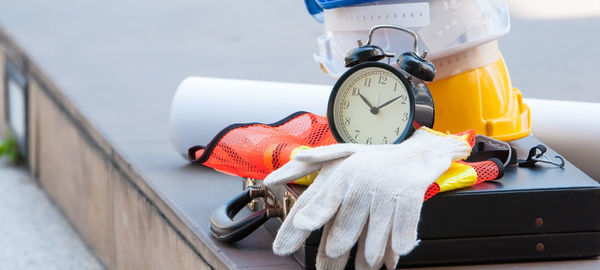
[445, 28]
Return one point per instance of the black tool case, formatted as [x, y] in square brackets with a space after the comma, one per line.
[538, 213]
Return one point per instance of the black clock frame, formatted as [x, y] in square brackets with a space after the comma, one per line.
[410, 125]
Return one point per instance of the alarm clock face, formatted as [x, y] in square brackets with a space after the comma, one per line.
[371, 104]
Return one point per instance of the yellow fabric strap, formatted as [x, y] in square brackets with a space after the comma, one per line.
[459, 175]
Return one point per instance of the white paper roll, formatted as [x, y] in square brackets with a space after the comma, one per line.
[202, 107]
[571, 128]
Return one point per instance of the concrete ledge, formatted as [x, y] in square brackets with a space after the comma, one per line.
[119, 215]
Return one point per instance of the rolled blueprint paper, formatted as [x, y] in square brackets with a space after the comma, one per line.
[571, 128]
[202, 106]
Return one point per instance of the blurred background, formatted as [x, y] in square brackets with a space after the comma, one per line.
[551, 50]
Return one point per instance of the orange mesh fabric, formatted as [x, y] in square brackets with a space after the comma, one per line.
[254, 150]
[431, 191]
[487, 170]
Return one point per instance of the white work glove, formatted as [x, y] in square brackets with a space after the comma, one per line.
[384, 184]
[360, 263]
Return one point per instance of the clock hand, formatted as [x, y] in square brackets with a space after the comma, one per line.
[388, 102]
[373, 110]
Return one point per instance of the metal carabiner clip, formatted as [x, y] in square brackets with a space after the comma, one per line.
[535, 157]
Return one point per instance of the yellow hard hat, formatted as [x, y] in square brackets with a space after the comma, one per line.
[482, 99]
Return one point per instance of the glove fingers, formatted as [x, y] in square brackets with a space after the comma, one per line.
[325, 201]
[360, 263]
[322, 207]
[325, 262]
[406, 221]
[390, 258]
[336, 151]
[380, 225]
[314, 190]
[348, 224]
[327, 153]
[290, 172]
[289, 239]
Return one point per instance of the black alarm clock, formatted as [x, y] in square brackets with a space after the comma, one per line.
[377, 103]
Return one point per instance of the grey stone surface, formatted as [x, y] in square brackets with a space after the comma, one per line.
[35, 235]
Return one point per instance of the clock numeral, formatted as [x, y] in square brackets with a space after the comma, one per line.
[403, 99]
[395, 85]
[347, 122]
[355, 91]
[397, 131]
[346, 104]
[368, 82]
[357, 132]
[369, 140]
[382, 79]
[405, 118]
[384, 141]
